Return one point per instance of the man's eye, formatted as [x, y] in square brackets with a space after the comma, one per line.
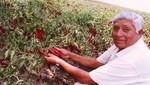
[115, 28]
[126, 29]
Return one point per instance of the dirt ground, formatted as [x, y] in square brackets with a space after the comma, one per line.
[51, 75]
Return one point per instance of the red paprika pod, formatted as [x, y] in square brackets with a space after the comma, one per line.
[4, 65]
[51, 50]
[39, 34]
[42, 53]
[72, 47]
[1, 30]
[65, 33]
[13, 23]
[57, 53]
[78, 49]
[1, 60]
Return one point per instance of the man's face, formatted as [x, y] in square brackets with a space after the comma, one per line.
[124, 33]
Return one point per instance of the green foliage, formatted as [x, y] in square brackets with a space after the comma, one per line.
[62, 22]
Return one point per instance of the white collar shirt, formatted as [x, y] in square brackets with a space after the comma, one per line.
[130, 66]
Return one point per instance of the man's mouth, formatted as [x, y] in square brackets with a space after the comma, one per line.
[119, 41]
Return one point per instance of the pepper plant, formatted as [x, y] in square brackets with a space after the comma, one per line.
[29, 27]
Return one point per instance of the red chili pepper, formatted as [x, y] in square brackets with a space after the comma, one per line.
[51, 50]
[79, 50]
[1, 27]
[55, 52]
[1, 30]
[4, 64]
[39, 34]
[42, 53]
[30, 52]
[1, 60]
[72, 47]
[65, 33]
[13, 23]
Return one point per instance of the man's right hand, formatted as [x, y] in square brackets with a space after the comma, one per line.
[65, 53]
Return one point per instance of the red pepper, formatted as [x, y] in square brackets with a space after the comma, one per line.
[65, 33]
[42, 53]
[79, 50]
[1, 30]
[39, 34]
[72, 47]
[2, 63]
[51, 50]
[30, 52]
[13, 23]
[55, 52]
[1, 60]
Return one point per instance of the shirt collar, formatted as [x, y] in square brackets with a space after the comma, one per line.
[128, 49]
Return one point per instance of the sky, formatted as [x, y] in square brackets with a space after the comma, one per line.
[140, 5]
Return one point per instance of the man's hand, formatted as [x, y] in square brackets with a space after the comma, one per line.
[65, 53]
[53, 59]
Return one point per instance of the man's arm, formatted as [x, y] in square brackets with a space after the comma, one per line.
[88, 62]
[79, 74]
[85, 61]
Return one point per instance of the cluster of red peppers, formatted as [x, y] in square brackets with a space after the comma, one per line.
[54, 51]
[73, 47]
[39, 34]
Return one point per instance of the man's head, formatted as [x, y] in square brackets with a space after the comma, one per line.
[127, 29]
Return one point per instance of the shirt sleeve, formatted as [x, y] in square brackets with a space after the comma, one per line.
[117, 72]
[105, 56]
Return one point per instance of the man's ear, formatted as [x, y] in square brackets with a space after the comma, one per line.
[141, 32]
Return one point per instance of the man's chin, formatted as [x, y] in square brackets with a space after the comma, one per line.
[120, 46]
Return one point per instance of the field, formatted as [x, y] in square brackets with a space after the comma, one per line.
[27, 26]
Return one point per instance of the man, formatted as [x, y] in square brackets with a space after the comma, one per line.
[127, 62]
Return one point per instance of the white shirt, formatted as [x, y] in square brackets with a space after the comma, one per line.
[130, 66]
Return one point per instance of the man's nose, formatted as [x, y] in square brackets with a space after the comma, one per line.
[119, 32]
